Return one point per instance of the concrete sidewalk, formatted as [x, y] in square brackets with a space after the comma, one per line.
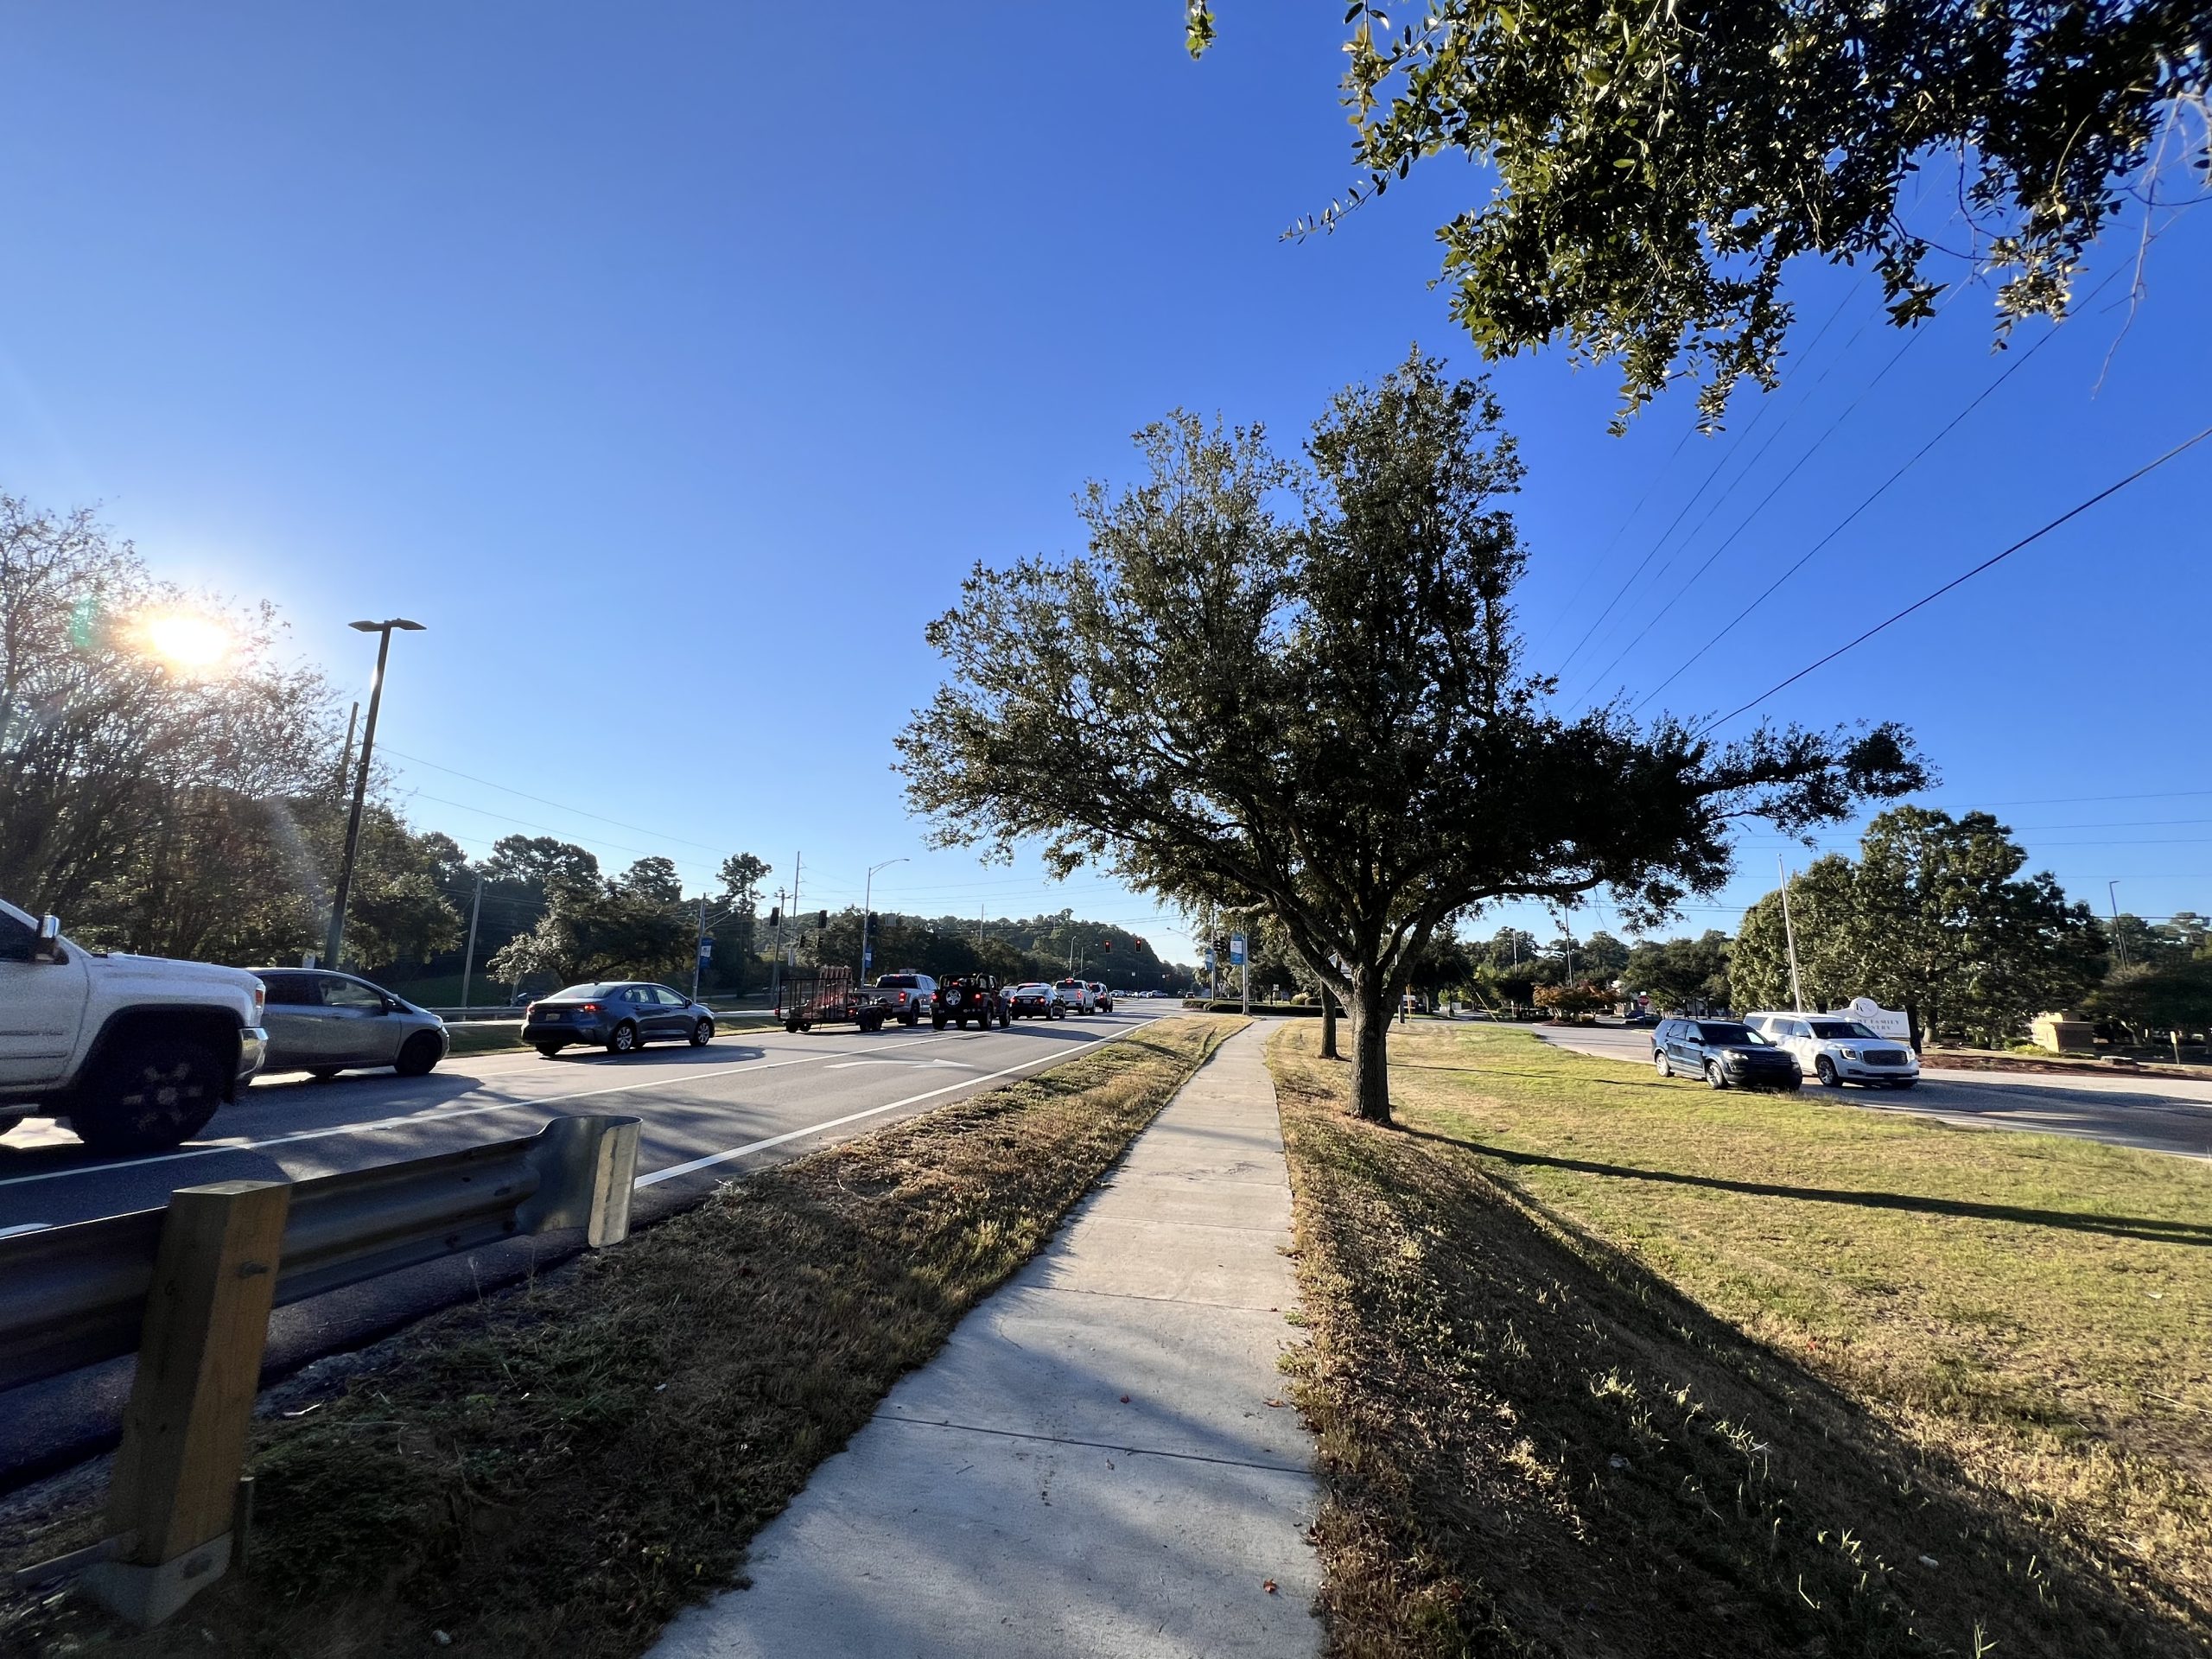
[1092, 1465]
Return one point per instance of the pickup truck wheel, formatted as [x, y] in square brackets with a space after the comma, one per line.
[1006, 1020]
[418, 1055]
[151, 1096]
[910, 1021]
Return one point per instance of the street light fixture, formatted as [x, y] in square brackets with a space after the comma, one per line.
[335, 940]
[868, 893]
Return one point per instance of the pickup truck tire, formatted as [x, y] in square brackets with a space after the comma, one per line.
[418, 1055]
[149, 1094]
[1006, 1020]
[910, 1021]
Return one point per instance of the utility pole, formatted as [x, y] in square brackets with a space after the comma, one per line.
[346, 754]
[335, 941]
[468, 955]
[795, 863]
[1789, 935]
[867, 916]
[699, 953]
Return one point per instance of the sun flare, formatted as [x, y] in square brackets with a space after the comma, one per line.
[196, 644]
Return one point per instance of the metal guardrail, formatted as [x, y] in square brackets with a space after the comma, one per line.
[189, 1288]
[75, 1295]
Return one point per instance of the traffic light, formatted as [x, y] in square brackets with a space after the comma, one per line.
[1106, 946]
[776, 916]
[821, 919]
[874, 921]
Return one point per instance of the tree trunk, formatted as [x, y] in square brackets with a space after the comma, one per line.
[1370, 1052]
[1912, 1022]
[1329, 1025]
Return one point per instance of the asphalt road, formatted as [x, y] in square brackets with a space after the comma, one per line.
[2155, 1113]
[709, 1115]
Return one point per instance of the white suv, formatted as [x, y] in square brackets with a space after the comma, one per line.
[1838, 1049]
[134, 1052]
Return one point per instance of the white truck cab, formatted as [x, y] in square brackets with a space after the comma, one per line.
[135, 1053]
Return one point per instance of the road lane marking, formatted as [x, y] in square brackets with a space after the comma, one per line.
[217, 1148]
[846, 1065]
[750, 1146]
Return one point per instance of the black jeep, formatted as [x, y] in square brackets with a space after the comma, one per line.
[970, 996]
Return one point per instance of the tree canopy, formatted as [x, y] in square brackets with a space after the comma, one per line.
[1933, 917]
[1655, 169]
[1319, 709]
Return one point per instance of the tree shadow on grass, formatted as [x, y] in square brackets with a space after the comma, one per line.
[2148, 1229]
[1533, 1444]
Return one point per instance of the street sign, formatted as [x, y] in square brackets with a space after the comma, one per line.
[867, 960]
[706, 952]
[1235, 949]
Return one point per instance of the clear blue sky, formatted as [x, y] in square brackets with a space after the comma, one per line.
[689, 355]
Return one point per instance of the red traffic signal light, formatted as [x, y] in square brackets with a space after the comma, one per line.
[1107, 946]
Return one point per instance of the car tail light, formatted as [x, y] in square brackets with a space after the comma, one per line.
[529, 1008]
[587, 1007]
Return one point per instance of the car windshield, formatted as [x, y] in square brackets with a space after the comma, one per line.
[1832, 1030]
[579, 992]
[899, 982]
[1071, 984]
[1732, 1035]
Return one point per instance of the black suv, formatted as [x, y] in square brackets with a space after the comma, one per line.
[1726, 1053]
[969, 996]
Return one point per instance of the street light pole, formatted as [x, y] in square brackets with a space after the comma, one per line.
[335, 940]
[868, 894]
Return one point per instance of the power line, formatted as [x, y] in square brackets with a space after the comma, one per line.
[1713, 472]
[543, 801]
[1811, 449]
[2034, 535]
[1844, 523]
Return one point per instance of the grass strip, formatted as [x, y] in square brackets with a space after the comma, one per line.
[1605, 1364]
[559, 1471]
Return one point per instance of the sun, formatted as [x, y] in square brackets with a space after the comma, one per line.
[198, 644]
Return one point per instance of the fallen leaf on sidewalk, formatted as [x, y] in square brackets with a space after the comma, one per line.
[1277, 1404]
[1267, 1585]
[1125, 1399]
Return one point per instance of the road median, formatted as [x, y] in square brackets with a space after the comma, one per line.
[560, 1469]
[1603, 1363]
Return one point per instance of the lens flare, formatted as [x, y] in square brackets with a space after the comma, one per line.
[198, 644]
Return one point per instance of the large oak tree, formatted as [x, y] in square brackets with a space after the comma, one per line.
[1296, 688]
[1652, 169]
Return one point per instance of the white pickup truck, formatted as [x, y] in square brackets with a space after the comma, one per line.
[134, 1052]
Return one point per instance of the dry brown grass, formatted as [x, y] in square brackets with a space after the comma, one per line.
[559, 1472]
[1606, 1366]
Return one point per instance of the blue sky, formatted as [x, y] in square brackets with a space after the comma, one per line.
[677, 354]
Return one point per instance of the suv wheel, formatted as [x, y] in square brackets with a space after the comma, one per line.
[151, 1095]
[1714, 1078]
[625, 1040]
[1659, 1063]
[418, 1055]
[1824, 1069]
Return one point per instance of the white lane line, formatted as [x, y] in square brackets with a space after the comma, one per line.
[957, 1066]
[750, 1146]
[216, 1149]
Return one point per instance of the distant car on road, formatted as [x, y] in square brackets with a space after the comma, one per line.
[323, 1023]
[1838, 1049]
[1640, 1020]
[1101, 998]
[1726, 1053]
[1036, 1000]
[1078, 995]
[906, 997]
[620, 1016]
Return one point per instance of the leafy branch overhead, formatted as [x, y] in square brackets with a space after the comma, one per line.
[1657, 167]
[1319, 706]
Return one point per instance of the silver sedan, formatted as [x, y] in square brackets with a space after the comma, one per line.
[323, 1023]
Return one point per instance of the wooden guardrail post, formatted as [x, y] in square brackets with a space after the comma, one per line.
[175, 1484]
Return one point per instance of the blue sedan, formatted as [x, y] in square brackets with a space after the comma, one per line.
[618, 1016]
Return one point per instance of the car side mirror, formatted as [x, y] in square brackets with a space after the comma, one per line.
[48, 947]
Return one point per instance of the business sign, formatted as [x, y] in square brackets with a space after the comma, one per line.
[1235, 949]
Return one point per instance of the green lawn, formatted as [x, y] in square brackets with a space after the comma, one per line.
[1822, 1342]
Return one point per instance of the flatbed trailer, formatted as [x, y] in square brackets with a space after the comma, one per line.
[827, 996]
